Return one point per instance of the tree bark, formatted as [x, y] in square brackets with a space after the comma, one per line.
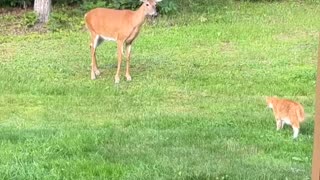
[42, 9]
[316, 132]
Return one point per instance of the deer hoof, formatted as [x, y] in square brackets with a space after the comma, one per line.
[93, 76]
[97, 72]
[117, 80]
[129, 78]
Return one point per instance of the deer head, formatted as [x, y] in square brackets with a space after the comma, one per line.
[150, 7]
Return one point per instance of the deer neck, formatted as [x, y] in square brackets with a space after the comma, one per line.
[139, 16]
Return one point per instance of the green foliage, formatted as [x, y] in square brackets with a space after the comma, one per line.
[61, 21]
[88, 5]
[58, 21]
[168, 7]
[67, 2]
[30, 19]
[124, 4]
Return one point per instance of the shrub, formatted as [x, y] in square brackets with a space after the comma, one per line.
[88, 5]
[67, 2]
[124, 4]
[65, 18]
[58, 21]
[168, 7]
[30, 19]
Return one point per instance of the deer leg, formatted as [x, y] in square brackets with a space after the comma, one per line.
[128, 62]
[120, 51]
[94, 68]
[93, 63]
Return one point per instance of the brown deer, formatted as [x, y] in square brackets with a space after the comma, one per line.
[122, 26]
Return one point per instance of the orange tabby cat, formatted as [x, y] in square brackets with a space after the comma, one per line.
[286, 112]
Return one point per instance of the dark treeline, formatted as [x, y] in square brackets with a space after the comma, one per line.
[165, 7]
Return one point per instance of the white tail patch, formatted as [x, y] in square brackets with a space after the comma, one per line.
[107, 38]
[99, 39]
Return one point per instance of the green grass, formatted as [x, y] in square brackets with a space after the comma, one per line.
[194, 110]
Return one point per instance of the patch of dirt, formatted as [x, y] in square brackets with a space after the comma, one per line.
[227, 47]
[14, 11]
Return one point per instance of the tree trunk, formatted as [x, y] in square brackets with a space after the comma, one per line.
[316, 131]
[42, 8]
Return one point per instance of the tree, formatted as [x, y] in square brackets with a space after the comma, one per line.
[316, 134]
[42, 9]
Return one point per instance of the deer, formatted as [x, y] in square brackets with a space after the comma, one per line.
[121, 26]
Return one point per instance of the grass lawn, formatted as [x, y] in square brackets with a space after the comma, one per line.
[194, 110]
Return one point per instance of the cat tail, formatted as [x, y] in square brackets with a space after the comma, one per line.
[300, 114]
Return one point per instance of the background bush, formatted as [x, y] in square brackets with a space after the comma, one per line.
[165, 7]
[30, 19]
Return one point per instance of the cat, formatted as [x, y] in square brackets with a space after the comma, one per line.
[287, 112]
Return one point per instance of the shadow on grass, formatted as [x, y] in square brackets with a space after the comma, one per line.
[307, 128]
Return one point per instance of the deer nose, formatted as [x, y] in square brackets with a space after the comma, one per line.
[155, 14]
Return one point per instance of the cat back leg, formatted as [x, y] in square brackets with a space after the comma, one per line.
[282, 124]
[279, 124]
[295, 128]
[295, 132]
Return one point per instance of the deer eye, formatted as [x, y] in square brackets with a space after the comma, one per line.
[147, 4]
